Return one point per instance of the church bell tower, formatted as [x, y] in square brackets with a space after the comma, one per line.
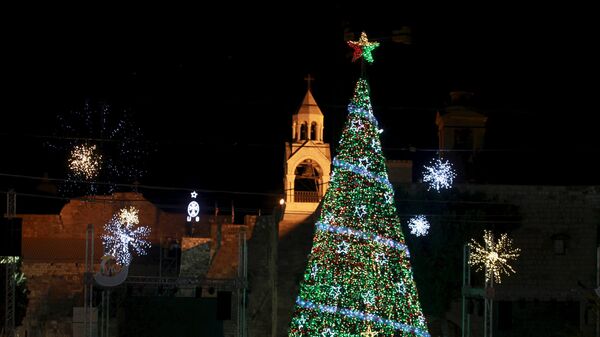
[308, 159]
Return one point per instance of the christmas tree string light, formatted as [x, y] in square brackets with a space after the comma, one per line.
[358, 280]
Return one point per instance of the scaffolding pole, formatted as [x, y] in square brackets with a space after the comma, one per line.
[466, 317]
[11, 269]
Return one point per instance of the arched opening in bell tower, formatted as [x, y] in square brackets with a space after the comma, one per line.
[313, 131]
[304, 131]
[308, 181]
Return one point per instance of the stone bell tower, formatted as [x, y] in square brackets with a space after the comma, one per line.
[308, 159]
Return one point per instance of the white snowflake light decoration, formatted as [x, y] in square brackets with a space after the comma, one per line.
[419, 226]
[85, 161]
[121, 236]
[493, 256]
[439, 175]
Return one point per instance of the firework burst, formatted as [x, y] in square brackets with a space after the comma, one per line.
[85, 161]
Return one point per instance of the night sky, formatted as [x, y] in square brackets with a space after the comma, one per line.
[214, 89]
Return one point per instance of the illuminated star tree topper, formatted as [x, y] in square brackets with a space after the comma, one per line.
[121, 236]
[439, 175]
[363, 48]
[493, 256]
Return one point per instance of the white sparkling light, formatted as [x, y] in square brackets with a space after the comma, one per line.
[419, 226]
[85, 161]
[343, 247]
[327, 333]
[121, 237]
[493, 256]
[369, 297]
[401, 287]
[381, 258]
[314, 270]
[360, 211]
[439, 175]
[335, 291]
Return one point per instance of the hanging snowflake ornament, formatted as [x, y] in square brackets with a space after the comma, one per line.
[419, 226]
[121, 236]
[439, 175]
[493, 256]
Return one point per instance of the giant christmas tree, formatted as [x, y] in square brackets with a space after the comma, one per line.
[358, 281]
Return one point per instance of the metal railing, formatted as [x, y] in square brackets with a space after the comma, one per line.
[306, 196]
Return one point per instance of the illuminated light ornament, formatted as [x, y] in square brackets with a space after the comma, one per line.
[85, 161]
[379, 131]
[401, 288]
[129, 216]
[439, 175]
[369, 297]
[389, 198]
[360, 211]
[381, 258]
[328, 333]
[369, 333]
[493, 256]
[314, 270]
[375, 145]
[364, 235]
[343, 247]
[365, 163]
[357, 125]
[419, 226]
[335, 291]
[121, 238]
[193, 209]
[301, 321]
[363, 48]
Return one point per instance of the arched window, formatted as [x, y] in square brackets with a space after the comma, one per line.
[313, 131]
[307, 184]
[304, 131]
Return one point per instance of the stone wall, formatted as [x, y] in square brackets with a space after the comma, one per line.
[54, 254]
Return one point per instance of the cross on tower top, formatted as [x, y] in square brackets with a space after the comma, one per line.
[308, 79]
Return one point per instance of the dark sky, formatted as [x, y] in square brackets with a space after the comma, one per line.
[213, 89]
